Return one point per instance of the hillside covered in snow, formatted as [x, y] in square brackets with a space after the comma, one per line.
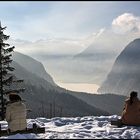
[88, 127]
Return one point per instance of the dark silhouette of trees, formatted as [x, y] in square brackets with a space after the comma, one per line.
[8, 81]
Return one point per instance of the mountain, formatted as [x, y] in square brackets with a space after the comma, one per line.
[46, 99]
[100, 60]
[125, 73]
[108, 102]
[33, 66]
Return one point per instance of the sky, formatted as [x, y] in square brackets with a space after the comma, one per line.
[36, 20]
[40, 28]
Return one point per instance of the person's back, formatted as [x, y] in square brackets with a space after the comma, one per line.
[131, 112]
[16, 116]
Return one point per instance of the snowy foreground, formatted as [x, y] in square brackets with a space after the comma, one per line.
[88, 127]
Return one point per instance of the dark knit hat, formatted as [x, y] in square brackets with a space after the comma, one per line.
[14, 97]
[133, 94]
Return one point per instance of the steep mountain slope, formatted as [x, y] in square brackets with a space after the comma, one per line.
[125, 74]
[108, 102]
[32, 65]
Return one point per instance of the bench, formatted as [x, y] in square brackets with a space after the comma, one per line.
[35, 129]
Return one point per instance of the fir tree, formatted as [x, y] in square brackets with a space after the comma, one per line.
[8, 81]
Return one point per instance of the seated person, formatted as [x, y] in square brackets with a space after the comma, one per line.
[131, 111]
[16, 113]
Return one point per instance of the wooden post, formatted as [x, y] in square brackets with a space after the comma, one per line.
[34, 128]
[0, 129]
[43, 112]
[54, 108]
[60, 111]
[50, 110]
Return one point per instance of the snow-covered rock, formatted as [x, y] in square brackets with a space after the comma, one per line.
[88, 127]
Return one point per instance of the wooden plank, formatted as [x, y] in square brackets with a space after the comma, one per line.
[35, 130]
[29, 130]
[120, 124]
[117, 123]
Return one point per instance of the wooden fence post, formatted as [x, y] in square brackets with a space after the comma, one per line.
[0, 129]
[34, 128]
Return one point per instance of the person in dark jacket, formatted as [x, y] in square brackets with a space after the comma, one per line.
[16, 113]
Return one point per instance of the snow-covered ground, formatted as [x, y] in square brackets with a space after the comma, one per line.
[88, 127]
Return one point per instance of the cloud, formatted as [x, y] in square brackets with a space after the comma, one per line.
[55, 46]
[52, 46]
[125, 23]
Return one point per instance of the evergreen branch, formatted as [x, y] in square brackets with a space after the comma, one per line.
[6, 56]
[8, 68]
[4, 72]
[18, 81]
[14, 91]
[6, 62]
[8, 80]
[4, 37]
[3, 28]
[4, 44]
[8, 50]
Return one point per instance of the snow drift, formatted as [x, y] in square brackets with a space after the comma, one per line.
[88, 127]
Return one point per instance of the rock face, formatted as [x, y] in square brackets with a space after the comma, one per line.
[125, 74]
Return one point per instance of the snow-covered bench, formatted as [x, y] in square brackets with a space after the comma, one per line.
[35, 130]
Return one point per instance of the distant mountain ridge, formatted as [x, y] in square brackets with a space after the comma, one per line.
[108, 102]
[125, 74]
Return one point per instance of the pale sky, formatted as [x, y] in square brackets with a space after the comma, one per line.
[36, 20]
